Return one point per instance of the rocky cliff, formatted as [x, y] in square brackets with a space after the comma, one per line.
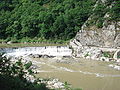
[102, 29]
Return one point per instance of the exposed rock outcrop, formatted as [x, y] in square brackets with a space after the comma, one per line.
[108, 36]
[91, 38]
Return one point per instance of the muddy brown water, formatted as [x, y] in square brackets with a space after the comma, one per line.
[81, 73]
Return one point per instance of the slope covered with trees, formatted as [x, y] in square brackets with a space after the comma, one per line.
[42, 19]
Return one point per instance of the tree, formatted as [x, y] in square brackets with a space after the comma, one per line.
[12, 76]
[47, 19]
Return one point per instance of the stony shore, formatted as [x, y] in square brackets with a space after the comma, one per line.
[96, 53]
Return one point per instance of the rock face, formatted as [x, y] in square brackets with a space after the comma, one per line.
[108, 36]
[90, 36]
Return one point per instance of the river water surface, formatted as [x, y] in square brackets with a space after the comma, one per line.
[85, 74]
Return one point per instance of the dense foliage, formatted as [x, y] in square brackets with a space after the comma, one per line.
[53, 20]
[111, 8]
[12, 76]
[115, 11]
[43, 19]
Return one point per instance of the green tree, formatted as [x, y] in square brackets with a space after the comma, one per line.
[12, 76]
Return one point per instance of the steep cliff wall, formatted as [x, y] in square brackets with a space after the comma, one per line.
[102, 29]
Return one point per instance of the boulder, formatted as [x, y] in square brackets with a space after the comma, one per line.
[104, 59]
[9, 42]
[45, 56]
[66, 56]
[37, 56]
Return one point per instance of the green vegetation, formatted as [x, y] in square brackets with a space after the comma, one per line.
[118, 56]
[12, 76]
[67, 87]
[115, 11]
[52, 20]
[87, 54]
[31, 44]
[110, 7]
[108, 54]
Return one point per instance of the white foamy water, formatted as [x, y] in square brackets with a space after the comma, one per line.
[48, 50]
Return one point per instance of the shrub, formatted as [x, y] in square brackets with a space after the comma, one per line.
[107, 54]
[12, 76]
[100, 23]
[86, 55]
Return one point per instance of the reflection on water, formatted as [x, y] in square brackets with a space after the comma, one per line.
[86, 74]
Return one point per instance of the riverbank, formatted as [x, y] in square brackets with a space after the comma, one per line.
[33, 44]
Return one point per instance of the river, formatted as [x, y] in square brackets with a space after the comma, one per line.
[85, 74]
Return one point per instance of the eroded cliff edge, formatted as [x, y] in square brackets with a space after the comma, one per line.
[99, 37]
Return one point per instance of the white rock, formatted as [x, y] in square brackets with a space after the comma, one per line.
[107, 59]
[9, 42]
[88, 57]
[118, 60]
[58, 85]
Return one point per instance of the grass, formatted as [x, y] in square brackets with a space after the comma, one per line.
[5, 45]
[27, 42]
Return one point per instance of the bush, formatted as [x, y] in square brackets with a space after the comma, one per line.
[1, 40]
[100, 23]
[48, 19]
[115, 11]
[8, 82]
[86, 55]
[107, 54]
[12, 76]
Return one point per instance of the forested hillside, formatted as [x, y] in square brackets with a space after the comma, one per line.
[42, 19]
[53, 20]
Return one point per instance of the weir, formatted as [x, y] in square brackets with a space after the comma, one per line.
[47, 50]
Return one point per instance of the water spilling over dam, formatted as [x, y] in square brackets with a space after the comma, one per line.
[48, 50]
